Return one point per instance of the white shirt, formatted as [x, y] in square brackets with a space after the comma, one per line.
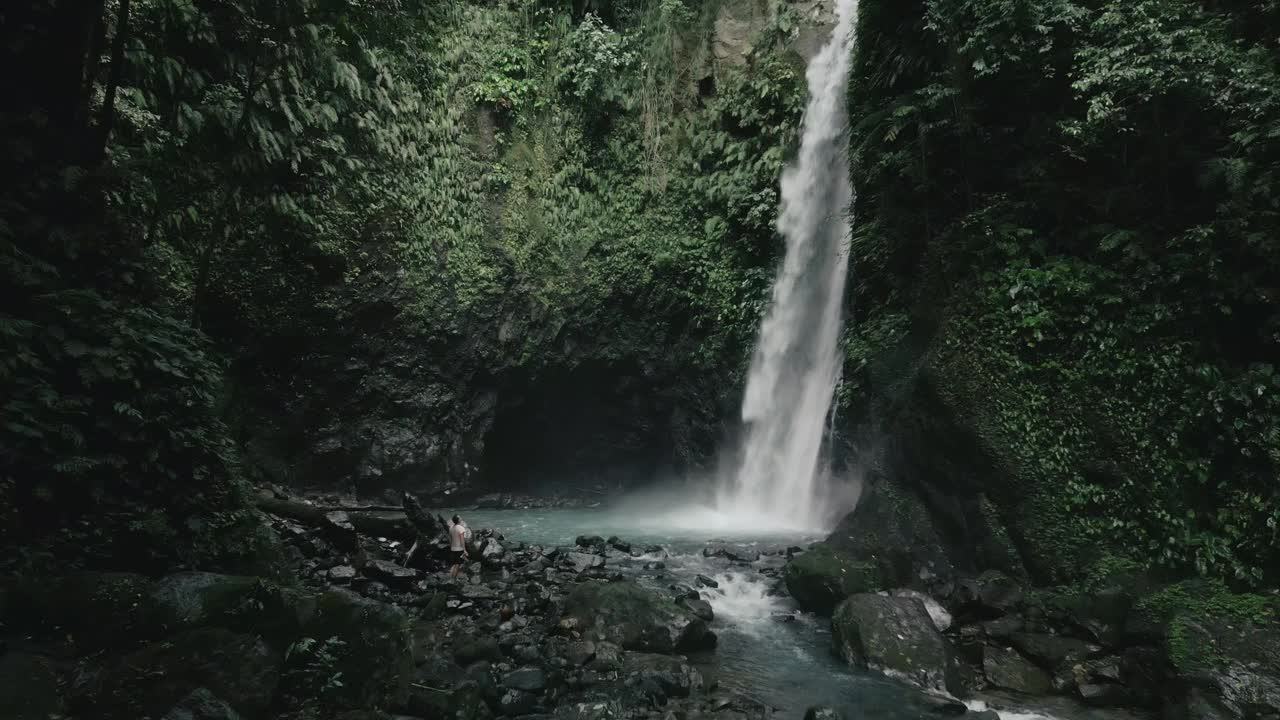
[458, 537]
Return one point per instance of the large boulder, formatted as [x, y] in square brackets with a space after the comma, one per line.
[28, 687]
[635, 618]
[240, 669]
[1005, 668]
[187, 600]
[375, 651]
[1234, 661]
[201, 704]
[1053, 652]
[672, 677]
[820, 578]
[894, 635]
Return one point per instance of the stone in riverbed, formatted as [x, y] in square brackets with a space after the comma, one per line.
[820, 578]
[516, 702]
[339, 530]
[1007, 669]
[618, 543]
[705, 581]
[391, 572]
[735, 553]
[822, 713]
[580, 653]
[1053, 651]
[528, 679]
[895, 636]
[698, 607]
[582, 562]
[468, 650]
[342, 574]
[636, 618]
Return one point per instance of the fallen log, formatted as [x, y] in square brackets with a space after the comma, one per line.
[376, 523]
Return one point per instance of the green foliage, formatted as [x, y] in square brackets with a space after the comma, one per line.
[1079, 202]
[311, 675]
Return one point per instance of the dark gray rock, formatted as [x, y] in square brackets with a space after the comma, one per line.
[201, 704]
[528, 679]
[619, 544]
[28, 687]
[1007, 669]
[823, 713]
[608, 658]
[467, 650]
[339, 530]
[1053, 652]
[705, 581]
[580, 653]
[584, 561]
[820, 578]
[516, 702]
[989, 595]
[1003, 627]
[700, 608]
[1103, 694]
[342, 574]
[896, 636]
[636, 618]
[672, 677]
[391, 573]
[1238, 660]
[735, 553]
[493, 552]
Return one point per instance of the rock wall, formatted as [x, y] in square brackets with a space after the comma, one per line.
[471, 368]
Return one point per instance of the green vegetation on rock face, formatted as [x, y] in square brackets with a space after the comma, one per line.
[1065, 246]
[354, 244]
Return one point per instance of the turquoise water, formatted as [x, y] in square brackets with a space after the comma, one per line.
[788, 665]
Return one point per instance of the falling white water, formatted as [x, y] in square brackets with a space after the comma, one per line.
[780, 471]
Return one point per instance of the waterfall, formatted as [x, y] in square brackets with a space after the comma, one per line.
[780, 472]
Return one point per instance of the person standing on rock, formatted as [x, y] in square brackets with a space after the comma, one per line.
[457, 545]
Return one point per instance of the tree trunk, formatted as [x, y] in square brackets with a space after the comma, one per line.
[113, 78]
[377, 523]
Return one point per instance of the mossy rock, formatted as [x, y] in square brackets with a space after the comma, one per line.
[636, 618]
[894, 635]
[820, 578]
[376, 655]
[198, 599]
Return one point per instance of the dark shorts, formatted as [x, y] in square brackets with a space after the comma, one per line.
[456, 555]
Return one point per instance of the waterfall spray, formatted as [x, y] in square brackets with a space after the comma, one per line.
[780, 472]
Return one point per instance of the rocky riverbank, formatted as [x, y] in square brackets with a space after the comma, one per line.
[1121, 639]
[527, 631]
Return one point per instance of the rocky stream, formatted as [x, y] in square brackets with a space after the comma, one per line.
[547, 621]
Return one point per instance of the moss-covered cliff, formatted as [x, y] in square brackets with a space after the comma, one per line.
[1064, 302]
